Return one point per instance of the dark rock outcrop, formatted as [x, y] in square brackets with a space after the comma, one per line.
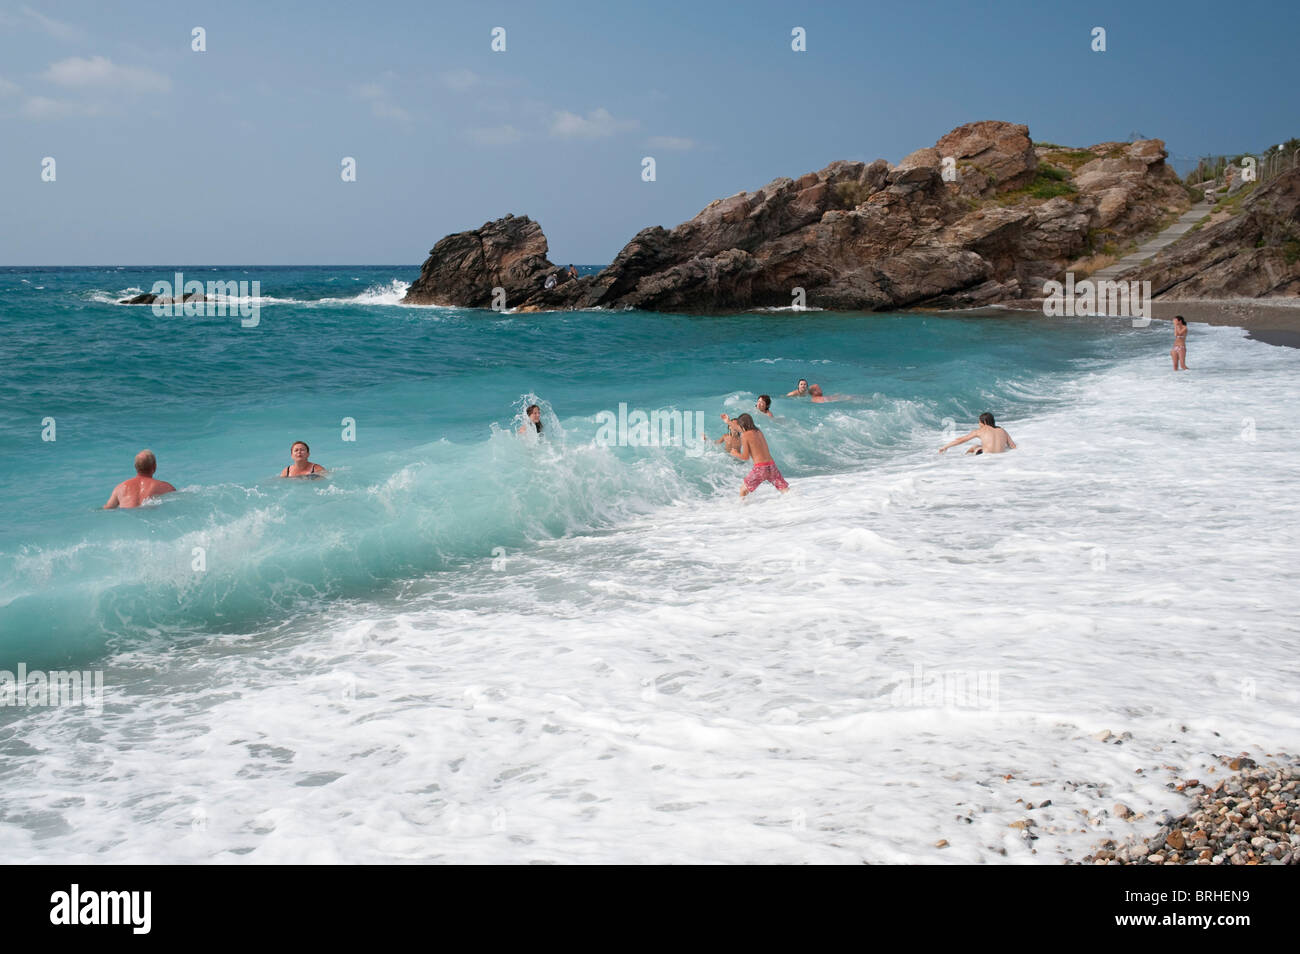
[148, 298]
[464, 268]
[1255, 254]
[851, 236]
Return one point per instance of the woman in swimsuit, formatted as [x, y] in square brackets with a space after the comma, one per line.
[534, 415]
[1179, 350]
[302, 466]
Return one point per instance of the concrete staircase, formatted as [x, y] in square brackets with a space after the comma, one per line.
[1154, 244]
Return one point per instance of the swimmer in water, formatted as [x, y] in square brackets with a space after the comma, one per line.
[801, 390]
[136, 490]
[754, 447]
[730, 441]
[1179, 350]
[818, 398]
[993, 439]
[534, 415]
[764, 405]
[302, 465]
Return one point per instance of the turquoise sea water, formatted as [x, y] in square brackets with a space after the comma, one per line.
[467, 646]
[435, 478]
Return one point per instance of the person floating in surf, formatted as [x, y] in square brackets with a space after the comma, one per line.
[754, 447]
[1179, 350]
[302, 465]
[993, 439]
[801, 390]
[764, 405]
[815, 392]
[534, 415]
[134, 491]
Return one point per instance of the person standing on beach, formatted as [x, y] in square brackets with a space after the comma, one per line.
[302, 465]
[754, 447]
[1179, 350]
[993, 439]
[136, 490]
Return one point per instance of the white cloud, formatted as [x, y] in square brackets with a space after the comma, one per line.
[597, 124]
[460, 80]
[385, 110]
[7, 88]
[678, 143]
[376, 93]
[55, 28]
[495, 135]
[99, 72]
[43, 107]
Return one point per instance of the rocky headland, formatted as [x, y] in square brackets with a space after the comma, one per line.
[983, 216]
[1253, 254]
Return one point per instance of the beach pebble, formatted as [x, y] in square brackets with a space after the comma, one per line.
[1250, 818]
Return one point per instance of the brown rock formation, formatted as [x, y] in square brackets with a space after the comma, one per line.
[991, 156]
[852, 236]
[1255, 254]
[462, 269]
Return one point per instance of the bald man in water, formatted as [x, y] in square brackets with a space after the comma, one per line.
[138, 489]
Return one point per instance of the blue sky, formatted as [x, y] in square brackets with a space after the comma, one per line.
[232, 156]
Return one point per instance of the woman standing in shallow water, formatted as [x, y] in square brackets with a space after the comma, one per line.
[1179, 350]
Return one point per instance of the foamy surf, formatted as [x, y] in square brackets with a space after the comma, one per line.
[555, 650]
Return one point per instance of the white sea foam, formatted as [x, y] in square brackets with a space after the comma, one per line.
[387, 293]
[746, 681]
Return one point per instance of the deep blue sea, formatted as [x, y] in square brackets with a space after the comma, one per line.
[489, 640]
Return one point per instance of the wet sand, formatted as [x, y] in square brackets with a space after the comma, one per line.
[1275, 321]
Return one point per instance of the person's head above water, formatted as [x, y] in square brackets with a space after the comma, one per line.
[534, 414]
[987, 418]
[746, 422]
[815, 390]
[298, 454]
[764, 402]
[146, 463]
[803, 384]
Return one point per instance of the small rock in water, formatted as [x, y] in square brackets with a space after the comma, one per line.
[1122, 811]
[1103, 735]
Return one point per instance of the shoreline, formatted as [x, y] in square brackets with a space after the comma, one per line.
[1274, 321]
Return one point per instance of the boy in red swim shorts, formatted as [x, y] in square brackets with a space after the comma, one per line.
[753, 446]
